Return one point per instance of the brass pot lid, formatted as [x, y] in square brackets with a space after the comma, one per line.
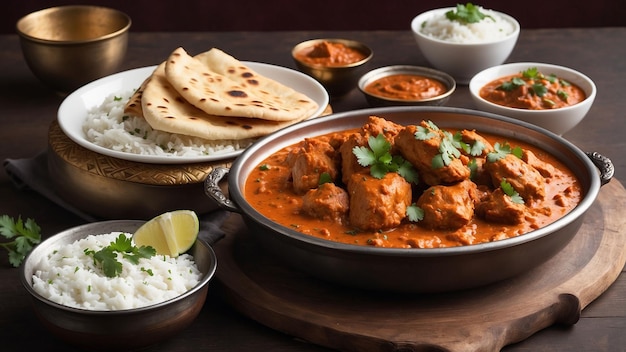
[125, 170]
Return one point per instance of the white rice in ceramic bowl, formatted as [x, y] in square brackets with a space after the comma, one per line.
[462, 50]
[491, 28]
[68, 275]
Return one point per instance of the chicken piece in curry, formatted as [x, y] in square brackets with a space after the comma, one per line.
[415, 186]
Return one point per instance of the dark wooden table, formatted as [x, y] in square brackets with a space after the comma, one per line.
[29, 108]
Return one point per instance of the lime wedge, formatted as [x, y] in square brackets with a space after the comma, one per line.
[171, 233]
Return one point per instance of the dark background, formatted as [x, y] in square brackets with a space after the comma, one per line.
[279, 15]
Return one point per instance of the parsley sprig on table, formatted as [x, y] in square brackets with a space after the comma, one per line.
[107, 256]
[378, 157]
[23, 237]
[468, 13]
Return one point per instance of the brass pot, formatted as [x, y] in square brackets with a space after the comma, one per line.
[111, 188]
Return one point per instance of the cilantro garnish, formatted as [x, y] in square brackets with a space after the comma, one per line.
[448, 147]
[468, 13]
[325, 178]
[414, 213]
[562, 94]
[23, 235]
[378, 157]
[539, 89]
[425, 133]
[501, 151]
[473, 167]
[511, 192]
[532, 78]
[107, 256]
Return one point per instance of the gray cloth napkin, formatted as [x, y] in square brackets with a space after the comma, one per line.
[32, 173]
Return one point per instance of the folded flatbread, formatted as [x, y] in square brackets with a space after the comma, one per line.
[167, 110]
[219, 84]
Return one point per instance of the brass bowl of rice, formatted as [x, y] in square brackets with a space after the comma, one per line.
[111, 188]
[146, 303]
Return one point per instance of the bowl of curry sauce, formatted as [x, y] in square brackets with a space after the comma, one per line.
[406, 85]
[336, 63]
[554, 97]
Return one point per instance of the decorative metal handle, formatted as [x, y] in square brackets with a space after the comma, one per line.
[212, 189]
[604, 164]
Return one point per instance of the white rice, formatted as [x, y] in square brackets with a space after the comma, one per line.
[70, 277]
[487, 30]
[107, 126]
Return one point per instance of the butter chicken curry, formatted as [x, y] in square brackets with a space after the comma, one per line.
[532, 90]
[415, 186]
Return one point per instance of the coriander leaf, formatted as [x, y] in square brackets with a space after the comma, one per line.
[121, 244]
[501, 151]
[511, 192]
[511, 84]
[409, 173]
[468, 13]
[107, 256]
[539, 89]
[437, 162]
[380, 160]
[424, 134]
[139, 252]
[531, 73]
[562, 94]
[364, 156]
[472, 165]
[378, 170]
[414, 213]
[107, 259]
[447, 149]
[24, 236]
[477, 148]
[324, 178]
[518, 152]
[379, 145]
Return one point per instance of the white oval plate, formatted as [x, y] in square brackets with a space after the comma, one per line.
[75, 107]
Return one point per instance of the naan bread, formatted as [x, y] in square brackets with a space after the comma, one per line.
[219, 84]
[167, 110]
[133, 105]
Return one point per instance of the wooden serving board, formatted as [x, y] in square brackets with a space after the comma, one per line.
[483, 319]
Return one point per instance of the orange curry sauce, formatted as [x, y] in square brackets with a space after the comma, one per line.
[269, 190]
[556, 93]
[406, 87]
[329, 54]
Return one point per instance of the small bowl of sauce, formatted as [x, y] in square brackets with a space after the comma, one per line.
[336, 63]
[406, 85]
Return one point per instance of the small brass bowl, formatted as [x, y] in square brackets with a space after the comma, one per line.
[338, 80]
[69, 46]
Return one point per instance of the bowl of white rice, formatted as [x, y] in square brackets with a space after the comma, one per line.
[147, 301]
[463, 49]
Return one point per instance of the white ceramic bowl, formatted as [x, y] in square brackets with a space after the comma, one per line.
[558, 120]
[463, 60]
